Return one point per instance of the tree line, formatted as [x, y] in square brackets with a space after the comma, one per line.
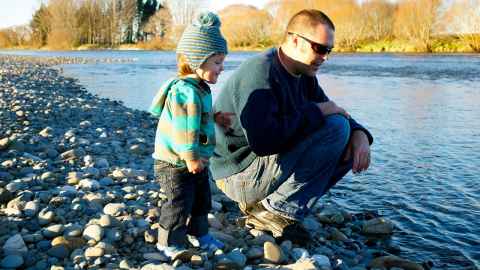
[375, 25]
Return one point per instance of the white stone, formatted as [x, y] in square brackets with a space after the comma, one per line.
[114, 209]
[94, 252]
[93, 232]
[31, 208]
[89, 184]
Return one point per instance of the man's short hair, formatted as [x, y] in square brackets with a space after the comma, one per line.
[307, 19]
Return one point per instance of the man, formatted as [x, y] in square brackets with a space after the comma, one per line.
[288, 143]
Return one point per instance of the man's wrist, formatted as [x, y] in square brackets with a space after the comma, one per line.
[361, 133]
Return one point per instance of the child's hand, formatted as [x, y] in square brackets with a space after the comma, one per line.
[196, 165]
[224, 119]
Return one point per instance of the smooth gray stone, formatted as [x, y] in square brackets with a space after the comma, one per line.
[12, 261]
[60, 251]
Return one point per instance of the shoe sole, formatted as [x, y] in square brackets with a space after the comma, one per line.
[184, 256]
[258, 225]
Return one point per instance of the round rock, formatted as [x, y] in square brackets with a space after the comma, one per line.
[12, 261]
[93, 232]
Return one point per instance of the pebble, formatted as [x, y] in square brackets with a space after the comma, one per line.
[53, 231]
[155, 256]
[94, 252]
[12, 261]
[214, 222]
[273, 253]
[299, 253]
[15, 246]
[5, 195]
[237, 257]
[93, 232]
[106, 181]
[105, 221]
[77, 185]
[89, 184]
[114, 209]
[58, 251]
[196, 260]
[31, 208]
[45, 216]
[255, 253]
[322, 261]
[378, 226]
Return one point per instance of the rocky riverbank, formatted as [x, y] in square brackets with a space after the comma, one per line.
[77, 191]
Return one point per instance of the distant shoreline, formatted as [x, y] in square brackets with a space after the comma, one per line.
[362, 50]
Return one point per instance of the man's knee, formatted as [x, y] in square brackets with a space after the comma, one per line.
[338, 128]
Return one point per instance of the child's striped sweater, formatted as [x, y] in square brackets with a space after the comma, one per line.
[185, 128]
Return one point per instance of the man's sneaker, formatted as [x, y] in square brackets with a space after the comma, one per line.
[208, 242]
[174, 252]
[280, 226]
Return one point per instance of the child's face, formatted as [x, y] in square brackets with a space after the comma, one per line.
[211, 69]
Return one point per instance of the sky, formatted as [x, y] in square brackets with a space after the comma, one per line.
[19, 12]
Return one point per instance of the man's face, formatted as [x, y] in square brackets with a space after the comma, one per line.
[312, 48]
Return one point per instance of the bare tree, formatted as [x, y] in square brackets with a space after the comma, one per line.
[89, 16]
[241, 32]
[160, 23]
[281, 12]
[41, 26]
[6, 38]
[415, 21]
[112, 22]
[379, 16]
[16, 36]
[63, 21]
[183, 12]
[128, 11]
[463, 19]
[348, 19]
[346, 15]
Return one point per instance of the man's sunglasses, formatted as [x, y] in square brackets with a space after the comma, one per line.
[316, 47]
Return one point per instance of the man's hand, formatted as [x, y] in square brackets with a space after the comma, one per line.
[196, 165]
[329, 107]
[359, 147]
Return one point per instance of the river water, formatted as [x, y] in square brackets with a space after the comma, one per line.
[423, 111]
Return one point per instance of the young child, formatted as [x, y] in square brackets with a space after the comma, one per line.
[185, 138]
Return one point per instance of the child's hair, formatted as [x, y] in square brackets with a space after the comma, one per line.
[184, 68]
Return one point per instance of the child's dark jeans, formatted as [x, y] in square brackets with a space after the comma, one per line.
[187, 206]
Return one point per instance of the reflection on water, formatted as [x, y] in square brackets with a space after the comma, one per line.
[423, 113]
[425, 158]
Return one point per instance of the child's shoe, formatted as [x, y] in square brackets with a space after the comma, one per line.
[175, 252]
[208, 242]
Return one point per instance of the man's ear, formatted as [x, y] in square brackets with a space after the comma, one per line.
[294, 40]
